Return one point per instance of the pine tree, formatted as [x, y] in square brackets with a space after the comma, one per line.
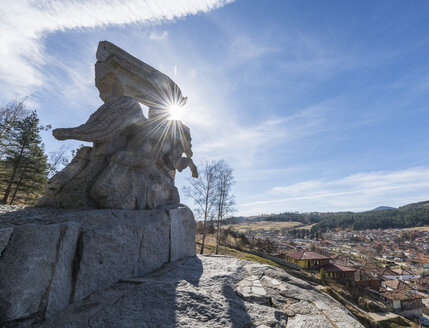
[24, 166]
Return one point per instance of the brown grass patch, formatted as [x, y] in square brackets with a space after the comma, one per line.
[265, 225]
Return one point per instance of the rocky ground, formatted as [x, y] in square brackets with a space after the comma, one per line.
[207, 291]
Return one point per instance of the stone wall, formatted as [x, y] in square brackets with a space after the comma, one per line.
[52, 258]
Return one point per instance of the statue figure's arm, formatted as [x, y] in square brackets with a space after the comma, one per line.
[184, 162]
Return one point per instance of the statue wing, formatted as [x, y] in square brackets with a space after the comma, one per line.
[118, 73]
[106, 123]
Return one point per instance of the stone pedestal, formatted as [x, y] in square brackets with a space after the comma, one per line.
[51, 258]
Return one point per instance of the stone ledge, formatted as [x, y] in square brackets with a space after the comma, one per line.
[51, 258]
[199, 292]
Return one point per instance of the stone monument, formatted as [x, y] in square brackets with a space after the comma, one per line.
[113, 213]
[133, 160]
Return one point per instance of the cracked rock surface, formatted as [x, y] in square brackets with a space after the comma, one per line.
[250, 289]
[204, 291]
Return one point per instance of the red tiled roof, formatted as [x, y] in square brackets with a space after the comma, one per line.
[397, 272]
[389, 272]
[402, 295]
[394, 284]
[345, 261]
[403, 272]
[304, 255]
[333, 267]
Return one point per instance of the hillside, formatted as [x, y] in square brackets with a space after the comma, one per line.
[416, 205]
[266, 225]
[384, 217]
[305, 218]
[412, 215]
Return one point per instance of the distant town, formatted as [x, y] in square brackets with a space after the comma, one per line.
[380, 273]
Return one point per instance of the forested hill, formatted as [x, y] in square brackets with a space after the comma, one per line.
[411, 215]
[305, 218]
[416, 205]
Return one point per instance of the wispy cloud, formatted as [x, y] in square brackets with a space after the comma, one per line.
[24, 24]
[247, 145]
[158, 35]
[361, 191]
[246, 48]
[222, 128]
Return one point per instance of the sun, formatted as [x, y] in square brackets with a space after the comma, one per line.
[175, 112]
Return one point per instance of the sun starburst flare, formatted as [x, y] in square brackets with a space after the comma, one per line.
[175, 112]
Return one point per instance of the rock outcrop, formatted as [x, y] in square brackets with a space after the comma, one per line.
[50, 258]
[133, 160]
[203, 291]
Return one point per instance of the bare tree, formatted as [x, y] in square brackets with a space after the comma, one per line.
[9, 114]
[57, 160]
[61, 158]
[203, 192]
[224, 198]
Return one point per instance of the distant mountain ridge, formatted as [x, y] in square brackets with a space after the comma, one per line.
[383, 208]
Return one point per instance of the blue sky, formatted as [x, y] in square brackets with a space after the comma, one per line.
[317, 105]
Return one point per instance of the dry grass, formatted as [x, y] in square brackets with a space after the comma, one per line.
[265, 225]
[424, 228]
[210, 249]
[307, 227]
